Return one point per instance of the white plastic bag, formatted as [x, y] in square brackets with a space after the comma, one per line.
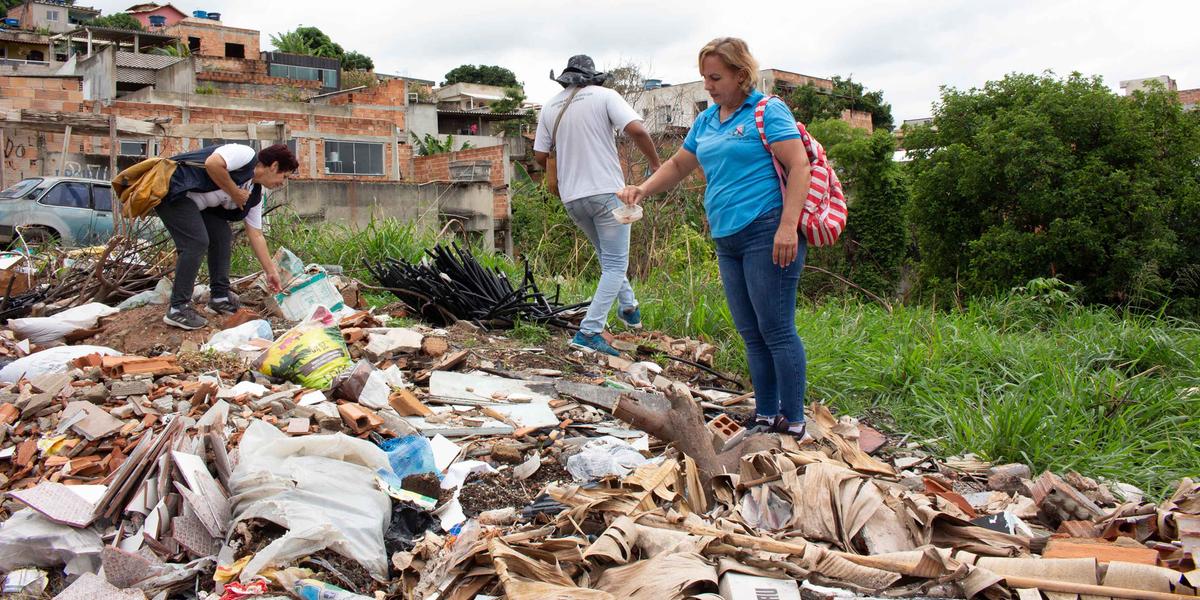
[48, 329]
[233, 338]
[321, 488]
[51, 360]
[602, 457]
[27, 539]
[161, 294]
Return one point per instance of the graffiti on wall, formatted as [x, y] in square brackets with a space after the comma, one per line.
[93, 166]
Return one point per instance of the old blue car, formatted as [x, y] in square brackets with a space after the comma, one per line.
[69, 210]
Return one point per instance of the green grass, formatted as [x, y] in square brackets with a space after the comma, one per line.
[1030, 377]
[529, 333]
[1055, 386]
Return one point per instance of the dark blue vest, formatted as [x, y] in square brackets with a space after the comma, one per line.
[190, 176]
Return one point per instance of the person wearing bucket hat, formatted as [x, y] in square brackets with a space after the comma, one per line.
[578, 125]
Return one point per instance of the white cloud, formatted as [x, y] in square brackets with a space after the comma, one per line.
[907, 49]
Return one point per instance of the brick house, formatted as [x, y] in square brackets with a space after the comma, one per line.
[354, 145]
[147, 14]
[672, 108]
[209, 37]
[56, 17]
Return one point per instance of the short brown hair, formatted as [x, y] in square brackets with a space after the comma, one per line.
[281, 155]
[736, 55]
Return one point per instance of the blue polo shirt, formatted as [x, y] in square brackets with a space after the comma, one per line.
[742, 183]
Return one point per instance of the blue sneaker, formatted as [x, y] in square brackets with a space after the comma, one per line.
[632, 318]
[592, 343]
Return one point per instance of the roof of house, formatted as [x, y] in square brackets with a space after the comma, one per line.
[64, 5]
[113, 34]
[481, 115]
[468, 94]
[152, 6]
[21, 36]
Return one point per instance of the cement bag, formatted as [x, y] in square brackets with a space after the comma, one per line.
[48, 329]
[321, 488]
[310, 354]
[51, 360]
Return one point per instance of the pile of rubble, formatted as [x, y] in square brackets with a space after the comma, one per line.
[346, 454]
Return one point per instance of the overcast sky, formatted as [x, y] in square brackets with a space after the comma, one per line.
[907, 49]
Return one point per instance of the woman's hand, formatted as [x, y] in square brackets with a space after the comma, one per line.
[273, 280]
[787, 245]
[631, 195]
[240, 197]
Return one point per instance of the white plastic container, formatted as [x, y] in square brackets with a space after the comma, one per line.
[628, 214]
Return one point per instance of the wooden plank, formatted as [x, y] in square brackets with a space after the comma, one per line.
[81, 123]
[1103, 551]
[62, 158]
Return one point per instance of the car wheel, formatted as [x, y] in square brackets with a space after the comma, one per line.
[38, 236]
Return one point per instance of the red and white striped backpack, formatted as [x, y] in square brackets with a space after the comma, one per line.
[824, 215]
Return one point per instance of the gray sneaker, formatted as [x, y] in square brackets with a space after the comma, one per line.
[184, 317]
[224, 306]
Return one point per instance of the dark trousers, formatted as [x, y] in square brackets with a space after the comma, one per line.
[196, 234]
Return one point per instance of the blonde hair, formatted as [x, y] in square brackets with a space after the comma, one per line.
[736, 55]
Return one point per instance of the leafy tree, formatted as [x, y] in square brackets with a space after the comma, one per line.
[873, 248]
[484, 74]
[857, 98]
[430, 145]
[290, 42]
[1039, 176]
[354, 61]
[179, 50]
[311, 41]
[318, 43]
[811, 103]
[513, 98]
[627, 79]
[118, 21]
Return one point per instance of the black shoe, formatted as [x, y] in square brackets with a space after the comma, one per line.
[224, 306]
[756, 424]
[184, 317]
[783, 427]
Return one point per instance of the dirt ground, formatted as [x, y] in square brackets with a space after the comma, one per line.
[481, 493]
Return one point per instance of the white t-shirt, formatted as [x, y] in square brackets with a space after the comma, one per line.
[586, 151]
[236, 156]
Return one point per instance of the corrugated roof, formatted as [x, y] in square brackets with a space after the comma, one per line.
[145, 61]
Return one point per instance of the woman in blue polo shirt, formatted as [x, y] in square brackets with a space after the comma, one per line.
[754, 226]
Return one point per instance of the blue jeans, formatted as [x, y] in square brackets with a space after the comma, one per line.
[593, 214]
[762, 299]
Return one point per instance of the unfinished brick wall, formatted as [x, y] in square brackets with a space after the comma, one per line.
[1189, 97]
[213, 37]
[798, 80]
[858, 119]
[392, 92]
[24, 151]
[22, 155]
[263, 87]
[248, 66]
[437, 168]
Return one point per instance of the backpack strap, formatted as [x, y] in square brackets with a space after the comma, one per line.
[759, 122]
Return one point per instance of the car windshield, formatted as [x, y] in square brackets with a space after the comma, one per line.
[21, 188]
